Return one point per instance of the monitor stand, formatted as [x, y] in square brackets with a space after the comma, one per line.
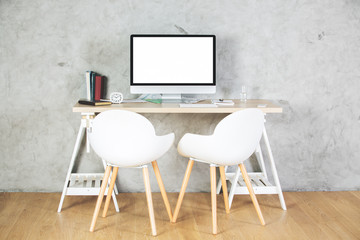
[171, 98]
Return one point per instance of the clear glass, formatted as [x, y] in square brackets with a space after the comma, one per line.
[243, 95]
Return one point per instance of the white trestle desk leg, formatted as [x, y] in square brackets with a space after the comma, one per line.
[87, 135]
[218, 187]
[115, 201]
[73, 157]
[260, 157]
[273, 169]
[233, 186]
[85, 124]
[114, 191]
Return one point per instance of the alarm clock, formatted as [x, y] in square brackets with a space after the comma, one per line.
[116, 97]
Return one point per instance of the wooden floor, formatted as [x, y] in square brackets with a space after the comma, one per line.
[310, 215]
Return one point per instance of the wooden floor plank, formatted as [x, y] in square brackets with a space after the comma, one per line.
[185, 225]
[310, 215]
[308, 225]
[355, 193]
[10, 211]
[345, 208]
[200, 204]
[317, 209]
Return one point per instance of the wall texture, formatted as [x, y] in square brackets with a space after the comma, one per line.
[303, 54]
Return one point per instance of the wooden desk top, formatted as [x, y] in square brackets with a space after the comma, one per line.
[174, 107]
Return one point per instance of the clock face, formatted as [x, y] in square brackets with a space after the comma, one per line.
[116, 97]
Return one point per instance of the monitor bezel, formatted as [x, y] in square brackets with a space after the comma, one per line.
[172, 35]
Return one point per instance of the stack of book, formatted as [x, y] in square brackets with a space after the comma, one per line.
[95, 86]
[95, 89]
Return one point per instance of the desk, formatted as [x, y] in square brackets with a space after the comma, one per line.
[89, 183]
[174, 107]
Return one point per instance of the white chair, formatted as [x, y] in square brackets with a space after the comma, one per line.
[234, 139]
[127, 139]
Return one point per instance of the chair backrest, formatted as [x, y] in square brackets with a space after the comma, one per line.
[120, 134]
[238, 134]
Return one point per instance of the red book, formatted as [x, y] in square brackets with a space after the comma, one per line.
[98, 87]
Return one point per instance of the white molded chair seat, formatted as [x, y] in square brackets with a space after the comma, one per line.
[127, 139]
[234, 140]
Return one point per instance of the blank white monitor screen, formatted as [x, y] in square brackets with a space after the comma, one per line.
[170, 60]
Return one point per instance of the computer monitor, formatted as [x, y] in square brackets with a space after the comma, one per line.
[172, 65]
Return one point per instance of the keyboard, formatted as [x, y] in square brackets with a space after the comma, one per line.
[190, 105]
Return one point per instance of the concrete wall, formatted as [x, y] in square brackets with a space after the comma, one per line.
[303, 54]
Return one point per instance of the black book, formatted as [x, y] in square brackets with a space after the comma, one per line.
[94, 103]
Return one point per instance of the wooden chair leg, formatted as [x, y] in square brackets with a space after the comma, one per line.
[252, 194]
[213, 197]
[182, 190]
[110, 190]
[100, 197]
[162, 189]
[224, 187]
[149, 199]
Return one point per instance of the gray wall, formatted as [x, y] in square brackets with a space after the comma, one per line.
[303, 54]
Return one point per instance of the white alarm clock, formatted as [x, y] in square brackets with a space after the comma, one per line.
[116, 97]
